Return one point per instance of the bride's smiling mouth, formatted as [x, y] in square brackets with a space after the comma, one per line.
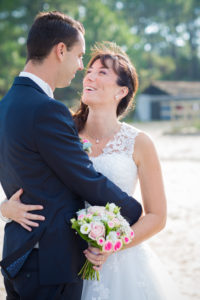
[89, 89]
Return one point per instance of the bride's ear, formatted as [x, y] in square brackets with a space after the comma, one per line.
[123, 91]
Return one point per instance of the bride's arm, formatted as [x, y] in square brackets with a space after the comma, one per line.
[14, 210]
[153, 197]
[152, 190]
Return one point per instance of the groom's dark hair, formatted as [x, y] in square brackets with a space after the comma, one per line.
[49, 29]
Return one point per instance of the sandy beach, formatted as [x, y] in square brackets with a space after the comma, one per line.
[178, 245]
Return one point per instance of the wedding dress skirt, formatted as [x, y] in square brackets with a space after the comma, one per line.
[134, 273]
[131, 274]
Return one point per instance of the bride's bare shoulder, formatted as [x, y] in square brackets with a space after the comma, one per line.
[144, 147]
[142, 137]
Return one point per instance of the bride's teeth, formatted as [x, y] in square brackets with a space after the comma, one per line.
[89, 88]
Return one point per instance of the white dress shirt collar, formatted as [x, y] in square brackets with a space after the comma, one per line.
[42, 84]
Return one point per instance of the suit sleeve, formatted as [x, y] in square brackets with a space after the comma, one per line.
[59, 145]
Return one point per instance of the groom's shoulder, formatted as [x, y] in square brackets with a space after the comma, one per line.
[53, 112]
[36, 95]
[50, 107]
[51, 104]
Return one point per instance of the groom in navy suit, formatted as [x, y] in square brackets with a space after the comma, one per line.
[40, 151]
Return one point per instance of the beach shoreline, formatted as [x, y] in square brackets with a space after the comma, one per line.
[177, 246]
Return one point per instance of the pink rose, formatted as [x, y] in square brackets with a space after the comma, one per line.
[100, 241]
[89, 216]
[111, 224]
[116, 221]
[85, 141]
[81, 217]
[97, 230]
[108, 246]
[126, 240]
[118, 245]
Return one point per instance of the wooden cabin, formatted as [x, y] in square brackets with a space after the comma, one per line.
[169, 100]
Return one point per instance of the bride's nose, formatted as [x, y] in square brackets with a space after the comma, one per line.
[92, 76]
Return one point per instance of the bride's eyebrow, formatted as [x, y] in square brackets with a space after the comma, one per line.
[103, 67]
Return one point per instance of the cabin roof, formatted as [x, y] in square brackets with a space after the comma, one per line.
[174, 88]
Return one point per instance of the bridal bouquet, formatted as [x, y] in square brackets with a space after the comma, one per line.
[103, 228]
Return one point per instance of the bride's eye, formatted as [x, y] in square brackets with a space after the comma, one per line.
[102, 72]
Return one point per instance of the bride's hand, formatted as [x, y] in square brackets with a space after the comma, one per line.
[96, 257]
[15, 210]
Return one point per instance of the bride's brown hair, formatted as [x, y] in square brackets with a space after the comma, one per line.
[127, 76]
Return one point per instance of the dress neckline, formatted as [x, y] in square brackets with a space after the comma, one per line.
[109, 141]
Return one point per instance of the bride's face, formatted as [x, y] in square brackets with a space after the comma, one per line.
[100, 85]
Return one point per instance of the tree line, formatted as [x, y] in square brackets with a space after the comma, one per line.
[161, 37]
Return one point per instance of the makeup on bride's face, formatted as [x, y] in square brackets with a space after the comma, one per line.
[100, 83]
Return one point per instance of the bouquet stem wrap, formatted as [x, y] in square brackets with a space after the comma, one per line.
[87, 272]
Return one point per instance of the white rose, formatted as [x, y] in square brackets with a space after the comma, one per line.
[112, 236]
[112, 207]
[85, 228]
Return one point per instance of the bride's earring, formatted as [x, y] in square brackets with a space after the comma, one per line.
[116, 97]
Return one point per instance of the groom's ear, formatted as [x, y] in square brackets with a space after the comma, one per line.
[60, 50]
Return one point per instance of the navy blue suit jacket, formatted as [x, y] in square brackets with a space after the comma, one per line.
[40, 151]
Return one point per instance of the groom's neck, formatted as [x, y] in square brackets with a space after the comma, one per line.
[43, 71]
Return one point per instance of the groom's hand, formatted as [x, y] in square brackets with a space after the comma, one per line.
[96, 257]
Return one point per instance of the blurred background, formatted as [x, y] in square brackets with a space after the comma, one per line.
[162, 38]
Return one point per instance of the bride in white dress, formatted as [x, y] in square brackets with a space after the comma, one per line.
[125, 155]
[134, 273]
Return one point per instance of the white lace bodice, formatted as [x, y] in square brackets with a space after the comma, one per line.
[134, 273]
[116, 161]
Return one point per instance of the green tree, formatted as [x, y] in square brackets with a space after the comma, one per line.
[161, 37]
[16, 18]
[167, 28]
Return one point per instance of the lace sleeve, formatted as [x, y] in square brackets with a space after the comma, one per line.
[123, 141]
